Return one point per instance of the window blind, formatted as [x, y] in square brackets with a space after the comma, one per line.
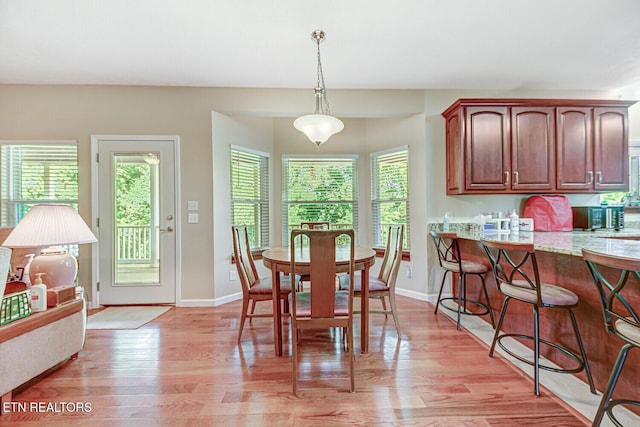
[36, 173]
[250, 194]
[389, 193]
[319, 189]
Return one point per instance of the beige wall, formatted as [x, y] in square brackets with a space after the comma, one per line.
[209, 119]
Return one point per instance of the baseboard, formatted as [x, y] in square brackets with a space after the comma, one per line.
[209, 302]
[416, 295]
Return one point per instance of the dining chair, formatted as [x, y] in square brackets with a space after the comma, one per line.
[384, 285]
[515, 270]
[617, 280]
[450, 259]
[254, 287]
[324, 306]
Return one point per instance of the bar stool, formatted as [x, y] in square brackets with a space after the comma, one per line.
[619, 317]
[451, 262]
[509, 261]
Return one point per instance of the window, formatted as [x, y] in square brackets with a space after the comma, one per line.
[389, 193]
[250, 193]
[36, 172]
[319, 189]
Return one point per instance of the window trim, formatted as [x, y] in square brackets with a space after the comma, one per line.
[374, 225]
[266, 202]
[354, 158]
[60, 142]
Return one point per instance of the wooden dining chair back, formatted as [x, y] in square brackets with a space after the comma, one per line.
[254, 287]
[384, 284]
[318, 225]
[617, 281]
[323, 306]
[517, 276]
[311, 225]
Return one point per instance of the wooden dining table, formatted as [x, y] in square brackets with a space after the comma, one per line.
[278, 261]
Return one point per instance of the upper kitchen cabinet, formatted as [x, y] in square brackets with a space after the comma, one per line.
[536, 146]
[593, 148]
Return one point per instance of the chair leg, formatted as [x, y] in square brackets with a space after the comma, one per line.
[440, 292]
[486, 295]
[245, 306]
[500, 320]
[611, 384]
[294, 379]
[253, 306]
[394, 312]
[461, 281]
[351, 359]
[536, 351]
[384, 306]
[587, 369]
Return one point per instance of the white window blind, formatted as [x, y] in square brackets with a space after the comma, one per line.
[389, 193]
[36, 173]
[250, 194]
[319, 189]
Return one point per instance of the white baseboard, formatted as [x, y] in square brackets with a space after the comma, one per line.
[417, 295]
[209, 302]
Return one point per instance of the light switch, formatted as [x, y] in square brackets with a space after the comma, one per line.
[192, 205]
[192, 218]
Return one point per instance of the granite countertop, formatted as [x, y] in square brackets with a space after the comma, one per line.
[625, 242]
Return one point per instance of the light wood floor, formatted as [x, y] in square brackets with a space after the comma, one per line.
[186, 369]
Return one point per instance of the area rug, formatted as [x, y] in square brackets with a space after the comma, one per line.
[129, 317]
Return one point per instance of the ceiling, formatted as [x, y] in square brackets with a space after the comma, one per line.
[370, 44]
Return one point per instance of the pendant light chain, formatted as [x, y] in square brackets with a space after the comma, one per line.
[324, 105]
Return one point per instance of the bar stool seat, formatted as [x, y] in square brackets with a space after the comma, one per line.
[620, 318]
[451, 261]
[515, 270]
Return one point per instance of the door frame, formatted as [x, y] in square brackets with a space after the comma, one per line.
[95, 273]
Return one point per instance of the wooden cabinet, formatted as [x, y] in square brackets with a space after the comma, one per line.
[536, 146]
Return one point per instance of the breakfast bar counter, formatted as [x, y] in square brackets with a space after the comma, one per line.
[559, 256]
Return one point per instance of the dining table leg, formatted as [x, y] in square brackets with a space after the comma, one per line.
[277, 315]
[364, 309]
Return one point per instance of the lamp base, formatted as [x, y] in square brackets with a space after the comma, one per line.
[57, 267]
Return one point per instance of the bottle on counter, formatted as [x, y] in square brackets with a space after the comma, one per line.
[445, 221]
[38, 295]
[514, 221]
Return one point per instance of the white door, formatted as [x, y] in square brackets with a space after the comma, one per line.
[137, 206]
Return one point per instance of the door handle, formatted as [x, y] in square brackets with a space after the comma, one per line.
[590, 174]
[168, 229]
[599, 177]
[516, 178]
[506, 178]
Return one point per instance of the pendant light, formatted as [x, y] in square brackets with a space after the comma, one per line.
[321, 125]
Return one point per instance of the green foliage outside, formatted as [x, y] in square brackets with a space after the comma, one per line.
[133, 195]
[320, 191]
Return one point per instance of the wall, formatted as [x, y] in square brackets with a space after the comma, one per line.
[373, 120]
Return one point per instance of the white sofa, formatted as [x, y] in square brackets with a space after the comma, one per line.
[35, 344]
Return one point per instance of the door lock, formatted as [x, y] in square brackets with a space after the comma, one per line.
[168, 229]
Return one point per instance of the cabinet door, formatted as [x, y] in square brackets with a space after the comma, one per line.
[487, 153]
[532, 148]
[611, 149]
[575, 149]
[455, 161]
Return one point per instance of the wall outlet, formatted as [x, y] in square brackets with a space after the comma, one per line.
[233, 275]
[192, 205]
[193, 218]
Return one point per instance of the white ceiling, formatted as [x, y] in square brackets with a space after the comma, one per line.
[373, 44]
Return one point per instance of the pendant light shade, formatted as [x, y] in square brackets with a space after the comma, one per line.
[321, 125]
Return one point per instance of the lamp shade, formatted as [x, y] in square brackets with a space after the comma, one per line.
[318, 127]
[48, 225]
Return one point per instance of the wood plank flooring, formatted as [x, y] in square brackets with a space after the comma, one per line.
[186, 369]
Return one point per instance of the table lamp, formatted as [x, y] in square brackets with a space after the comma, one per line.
[51, 225]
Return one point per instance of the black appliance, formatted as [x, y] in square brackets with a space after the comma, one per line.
[594, 217]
